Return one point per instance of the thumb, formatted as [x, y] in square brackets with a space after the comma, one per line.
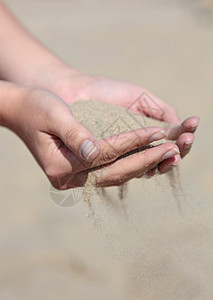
[75, 136]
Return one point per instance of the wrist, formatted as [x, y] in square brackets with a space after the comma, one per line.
[11, 96]
[46, 74]
[62, 80]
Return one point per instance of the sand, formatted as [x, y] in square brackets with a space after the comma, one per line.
[112, 215]
[53, 252]
[104, 120]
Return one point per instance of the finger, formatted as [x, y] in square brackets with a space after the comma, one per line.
[184, 143]
[66, 162]
[115, 146]
[69, 181]
[167, 164]
[57, 160]
[73, 134]
[149, 173]
[164, 166]
[124, 169]
[189, 125]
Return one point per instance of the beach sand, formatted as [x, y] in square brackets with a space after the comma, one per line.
[106, 120]
[48, 251]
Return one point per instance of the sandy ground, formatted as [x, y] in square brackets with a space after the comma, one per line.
[50, 252]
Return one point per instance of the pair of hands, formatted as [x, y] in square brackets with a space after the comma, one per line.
[65, 149]
[42, 118]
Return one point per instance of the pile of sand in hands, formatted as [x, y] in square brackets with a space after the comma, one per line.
[104, 120]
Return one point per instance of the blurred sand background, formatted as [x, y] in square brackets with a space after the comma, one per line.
[50, 252]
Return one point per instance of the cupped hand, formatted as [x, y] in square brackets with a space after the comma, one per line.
[73, 87]
[66, 150]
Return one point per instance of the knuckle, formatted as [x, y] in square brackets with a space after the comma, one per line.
[60, 187]
[56, 185]
[51, 171]
[139, 141]
[61, 182]
[108, 153]
[55, 182]
[54, 173]
[57, 112]
[150, 159]
[120, 180]
[71, 135]
[158, 113]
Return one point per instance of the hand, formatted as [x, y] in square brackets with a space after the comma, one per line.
[46, 125]
[43, 127]
[74, 86]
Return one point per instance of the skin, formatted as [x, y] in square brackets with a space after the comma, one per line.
[34, 98]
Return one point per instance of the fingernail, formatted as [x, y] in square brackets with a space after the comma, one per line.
[88, 150]
[195, 125]
[170, 153]
[158, 136]
[187, 145]
[176, 162]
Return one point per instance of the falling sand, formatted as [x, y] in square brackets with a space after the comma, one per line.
[105, 120]
[138, 221]
[49, 251]
[121, 217]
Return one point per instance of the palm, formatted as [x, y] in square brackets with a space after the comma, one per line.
[116, 92]
[136, 98]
